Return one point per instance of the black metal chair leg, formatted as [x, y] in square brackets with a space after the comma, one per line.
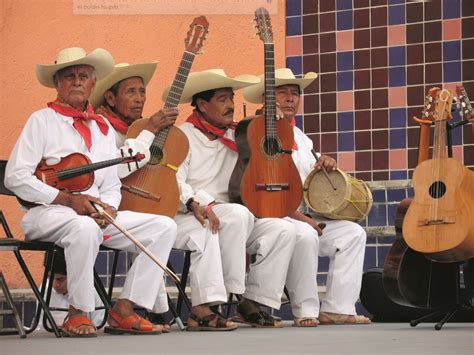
[13, 312]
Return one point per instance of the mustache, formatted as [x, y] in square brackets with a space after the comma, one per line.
[229, 111]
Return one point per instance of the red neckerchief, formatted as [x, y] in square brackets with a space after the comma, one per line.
[293, 123]
[79, 117]
[114, 120]
[201, 124]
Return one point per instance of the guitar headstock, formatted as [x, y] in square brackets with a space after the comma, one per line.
[429, 105]
[196, 35]
[443, 104]
[465, 106]
[263, 25]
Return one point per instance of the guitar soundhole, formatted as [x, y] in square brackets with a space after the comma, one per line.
[437, 189]
[156, 155]
[271, 146]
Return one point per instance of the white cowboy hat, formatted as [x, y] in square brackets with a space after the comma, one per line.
[211, 79]
[120, 72]
[99, 58]
[283, 76]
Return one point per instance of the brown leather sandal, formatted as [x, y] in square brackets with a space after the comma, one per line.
[204, 323]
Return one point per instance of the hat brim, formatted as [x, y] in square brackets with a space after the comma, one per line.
[255, 93]
[143, 70]
[204, 81]
[99, 58]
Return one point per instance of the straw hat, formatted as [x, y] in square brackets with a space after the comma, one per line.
[120, 72]
[99, 58]
[211, 79]
[283, 76]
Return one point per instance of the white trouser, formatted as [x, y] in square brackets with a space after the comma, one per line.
[271, 244]
[80, 236]
[217, 260]
[301, 280]
[344, 243]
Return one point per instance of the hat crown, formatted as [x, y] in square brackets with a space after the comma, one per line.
[70, 54]
[284, 73]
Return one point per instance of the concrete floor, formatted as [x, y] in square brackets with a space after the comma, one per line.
[377, 338]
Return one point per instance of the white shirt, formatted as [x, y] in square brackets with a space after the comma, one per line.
[51, 136]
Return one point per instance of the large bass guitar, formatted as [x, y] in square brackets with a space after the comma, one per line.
[440, 219]
[153, 188]
[270, 185]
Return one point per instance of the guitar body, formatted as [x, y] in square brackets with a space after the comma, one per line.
[270, 185]
[441, 224]
[153, 188]
[410, 279]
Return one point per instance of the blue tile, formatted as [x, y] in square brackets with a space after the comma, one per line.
[451, 72]
[456, 136]
[321, 279]
[398, 175]
[101, 263]
[396, 56]
[378, 215]
[396, 76]
[370, 259]
[398, 138]
[345, 142]
[379, 195]
[398, 117]
[295, 64]
[410, 192]
[394, 2]
[299, 121]
[345, 121]
[323, 264]
[293, 26]
[451, 50]
[343, 4]
[452, 8]
[344, 20]
[396, 15]
[391, 213]
[345, 80]
[293, 7]
[345, 61]
[396, 195]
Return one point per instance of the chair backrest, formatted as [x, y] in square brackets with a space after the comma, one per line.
[3, 189]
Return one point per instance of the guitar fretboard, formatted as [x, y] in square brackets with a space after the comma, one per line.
[270, 107]
[174, 95]
[73, 172]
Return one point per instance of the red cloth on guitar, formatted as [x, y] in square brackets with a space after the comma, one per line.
[79, 117]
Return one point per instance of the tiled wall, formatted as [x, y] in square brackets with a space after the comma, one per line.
[376, 59]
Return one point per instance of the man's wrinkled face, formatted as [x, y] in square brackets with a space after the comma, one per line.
[288, 99]
[130, 99]
[75, 84]
[219, 110]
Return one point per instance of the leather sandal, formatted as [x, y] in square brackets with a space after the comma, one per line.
[254, 316]
[204, 323]
[159, 319]
[327, 318]
[133, 324]
[305, 322]
[72, 323]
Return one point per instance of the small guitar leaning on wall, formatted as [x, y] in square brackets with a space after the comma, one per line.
[440, 219]
[153, 188]
[270, 185]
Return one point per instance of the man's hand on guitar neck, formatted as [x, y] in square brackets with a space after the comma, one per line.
[162, 119]
[202, 213]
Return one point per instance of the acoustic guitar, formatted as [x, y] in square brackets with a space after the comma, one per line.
[265, 178]
[440, 219]
[153, 188]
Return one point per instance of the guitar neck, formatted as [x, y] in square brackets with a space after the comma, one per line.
[174, 95]
[85, 169]
[439, 142]
[270, 106]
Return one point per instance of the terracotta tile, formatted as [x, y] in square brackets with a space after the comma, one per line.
[397, 35]
[379, 57]
[413, 137]
[310, 44]
[414, 12]
[379, 98]
[415, 33]
[311, 63]
[310, 7]
[361, 3]
[311, 103]
[328, 82]
[361, 18]
[362, 38]
[380, 120]
[327, 62]
[378, 37]
[380, 159]
[362, 99]
[316, 138]
[378, 16]
[412, 159]
[415, 111]
[362, 59]
[345, 101]
[379, 78]
[467, 9]
[380, 175]
[433, 73]
[346, 161]
[452, 29]
[432, 31]
[432, 10]
[329, 5]
[414, 74]
[468, 137]
[311, 123]
[458, 154]
[415, 54]
[416, 96]
[397, 97]
[328, 102]
[312, 88]
[327, 42]
[328, 142]
[362, 79]
[363, 142]
[327, 22]
[328, 122]
[362, 119]
[293, 46]
[378, 2]
[468, 70]
[310, 24]
[345, 40]
[469, 155]
[398, 159]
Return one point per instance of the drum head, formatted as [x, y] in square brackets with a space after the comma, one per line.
[320, 196]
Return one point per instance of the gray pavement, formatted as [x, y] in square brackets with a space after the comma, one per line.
[377, 338]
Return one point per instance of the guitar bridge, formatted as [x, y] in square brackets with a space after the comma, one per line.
[432, 222]
[141, 193]
[272, 187]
